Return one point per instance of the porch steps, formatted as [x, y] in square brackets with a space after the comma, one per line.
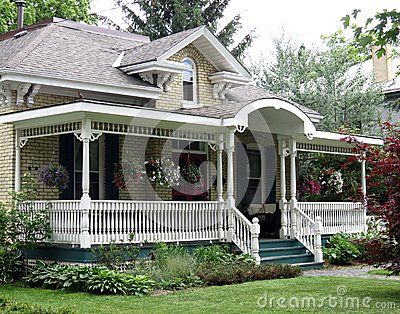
[286, 251]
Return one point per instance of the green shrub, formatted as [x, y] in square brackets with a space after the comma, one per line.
[113, 256]
[218, 254]
[239, 271]
[9, 306]
[11, 263]
[105, 281]
[341, 250]
[55, 276]
[179, 283]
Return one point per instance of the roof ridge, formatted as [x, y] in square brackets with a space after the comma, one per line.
[23, 53]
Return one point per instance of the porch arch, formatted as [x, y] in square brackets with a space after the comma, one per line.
[282, 117]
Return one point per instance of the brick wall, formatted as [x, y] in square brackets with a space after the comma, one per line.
[173, 98]
[35, 153]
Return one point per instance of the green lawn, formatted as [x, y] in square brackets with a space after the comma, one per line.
[241, 298]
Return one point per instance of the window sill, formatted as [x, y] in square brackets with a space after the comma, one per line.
[190, 105]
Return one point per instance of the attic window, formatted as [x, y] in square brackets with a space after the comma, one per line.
[189, 82]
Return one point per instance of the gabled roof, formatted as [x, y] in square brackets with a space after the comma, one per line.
[240, 97]
[201, 37]
[71, 51]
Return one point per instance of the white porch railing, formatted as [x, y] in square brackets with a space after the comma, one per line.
[337, 216]
[308, 232]
[244, 233]
[151, 221]
[64, 217]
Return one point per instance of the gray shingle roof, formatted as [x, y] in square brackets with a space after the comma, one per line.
[238, 98]
[61, 51]
[154, 49]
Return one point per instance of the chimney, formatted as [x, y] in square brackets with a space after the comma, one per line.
[383, 66]
[20, 6]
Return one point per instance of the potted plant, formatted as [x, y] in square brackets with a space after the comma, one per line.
[54, 176]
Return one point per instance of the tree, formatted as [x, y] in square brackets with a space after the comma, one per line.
[330, 81]
[384, 179]
[381, 29]
[161, 18]
[38, 10]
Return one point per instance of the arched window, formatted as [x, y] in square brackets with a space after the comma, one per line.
[189, 82]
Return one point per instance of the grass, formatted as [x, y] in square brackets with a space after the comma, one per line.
[380, 272]
[242, 298]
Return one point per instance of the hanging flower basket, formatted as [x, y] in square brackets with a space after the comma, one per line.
[192, 174]
[163, 172]
[128, 172]
[54, 176]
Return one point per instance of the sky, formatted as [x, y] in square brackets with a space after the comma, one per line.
[304, 21]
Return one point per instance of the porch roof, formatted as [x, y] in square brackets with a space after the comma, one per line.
[240, 115]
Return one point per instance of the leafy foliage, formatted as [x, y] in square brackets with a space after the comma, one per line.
[95, 280]
[341, 250]
[38, 10]
[10, 306]
[329, 81]
[381, 29]
[21, 228]
[219, 254]
[384, 178]
[239, 271]
[114, 256]
[161, 18]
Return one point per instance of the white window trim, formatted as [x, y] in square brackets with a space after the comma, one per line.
[186, 103]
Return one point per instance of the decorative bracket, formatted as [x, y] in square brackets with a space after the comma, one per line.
[22, 91]
[213, 146]
[33, 92]
[5, 94]
[309, 136]
[161, 79]
[240, 128]
[220, 90]
[285, 151]
[22, 142]
[93, 136]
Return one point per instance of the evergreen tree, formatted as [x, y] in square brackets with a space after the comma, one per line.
[159, 18]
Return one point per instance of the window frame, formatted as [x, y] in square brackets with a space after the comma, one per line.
[190, 103]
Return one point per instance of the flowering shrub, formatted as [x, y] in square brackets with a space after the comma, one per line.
[128, 172]
[163, 172]
[54, 176]
[383, 182]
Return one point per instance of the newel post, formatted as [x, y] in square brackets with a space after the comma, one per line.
[85, 203]
[255, 245]
[318, 255]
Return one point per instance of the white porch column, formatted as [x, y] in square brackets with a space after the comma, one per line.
[293, 199]
[283, 152]
[85, 199]
[17, 182]
[363, 177]
[230, 201]
[221, 204]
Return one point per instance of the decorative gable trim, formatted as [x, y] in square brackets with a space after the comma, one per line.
[219, 48]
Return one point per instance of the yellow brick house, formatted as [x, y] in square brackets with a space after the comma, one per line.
[96, 101]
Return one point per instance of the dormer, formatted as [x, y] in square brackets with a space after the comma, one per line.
[180, 59]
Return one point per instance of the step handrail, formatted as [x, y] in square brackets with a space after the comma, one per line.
[307, 232]
[244, 233]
